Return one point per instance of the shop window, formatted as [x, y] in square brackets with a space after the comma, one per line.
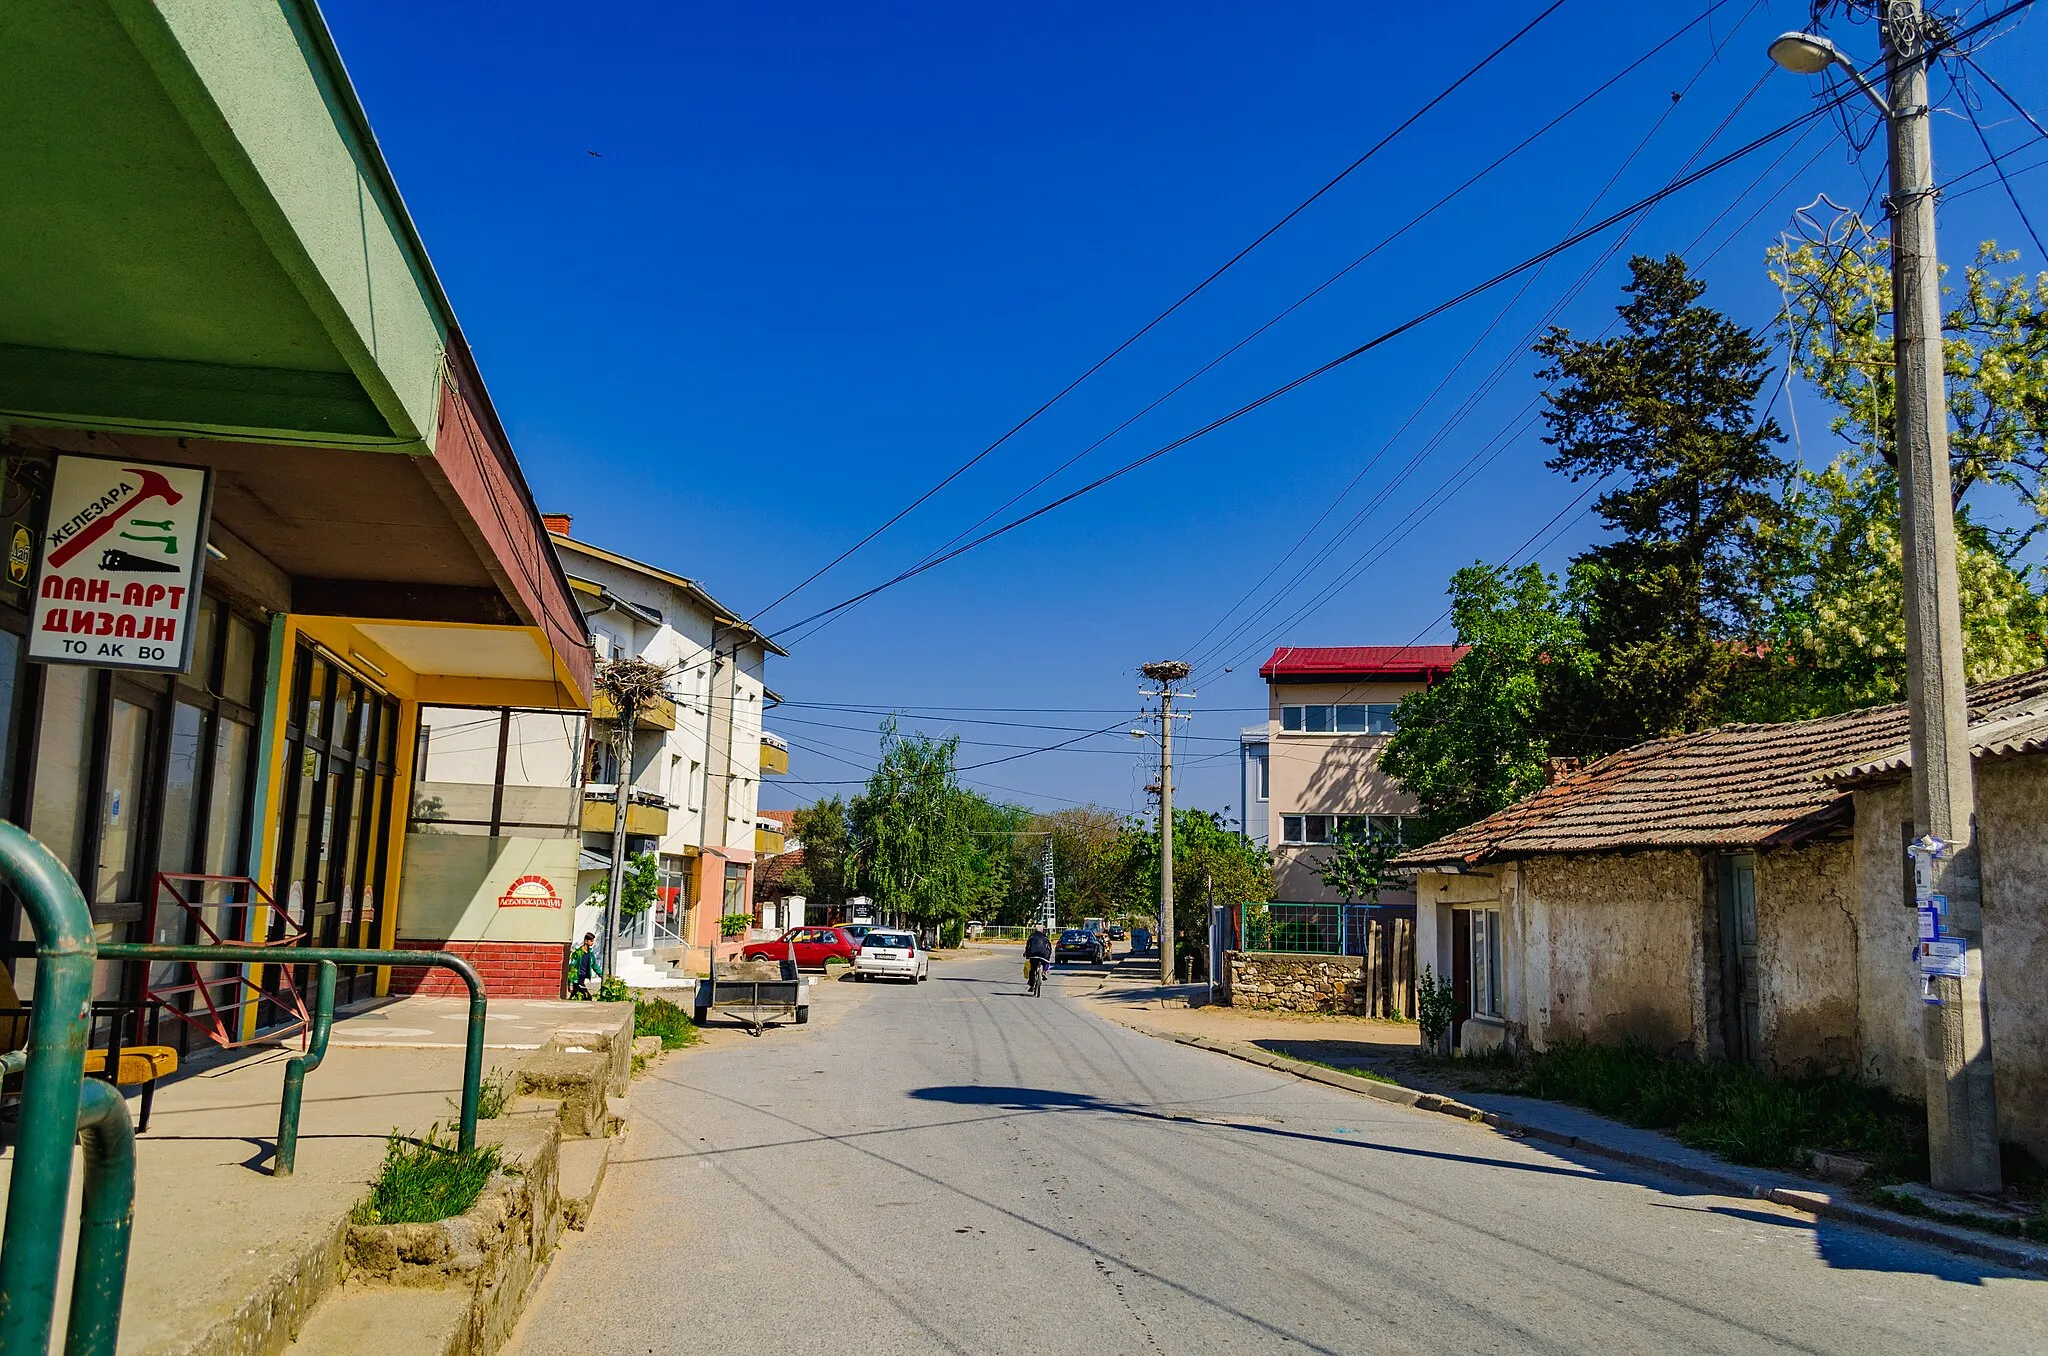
[498, 771]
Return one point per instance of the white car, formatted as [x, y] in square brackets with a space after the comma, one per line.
[887, 953]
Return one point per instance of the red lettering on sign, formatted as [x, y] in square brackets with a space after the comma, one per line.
[97, 591]
[154, 595]
[74, 590]
[162, 628]
[55, 621]
[53, 587]
[82, 622]
[124, 625]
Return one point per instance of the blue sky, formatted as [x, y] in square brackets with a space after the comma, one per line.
[745, 280]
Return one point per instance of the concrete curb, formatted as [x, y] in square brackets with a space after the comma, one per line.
[1732, 1181]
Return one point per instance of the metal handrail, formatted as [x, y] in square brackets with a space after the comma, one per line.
[56, 1103]
[243, 953]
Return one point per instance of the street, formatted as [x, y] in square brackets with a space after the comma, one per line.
[956, 1167]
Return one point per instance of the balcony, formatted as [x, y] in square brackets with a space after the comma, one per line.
[774, 756]
[658, 715]
[646, 811]
[768, 840]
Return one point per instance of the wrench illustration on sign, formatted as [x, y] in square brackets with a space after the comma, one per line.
[154, 486]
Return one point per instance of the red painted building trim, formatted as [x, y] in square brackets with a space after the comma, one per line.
[475, 464]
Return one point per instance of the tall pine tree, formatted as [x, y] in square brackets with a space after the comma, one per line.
[1664, 413]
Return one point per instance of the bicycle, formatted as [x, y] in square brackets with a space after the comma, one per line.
[1034, 974]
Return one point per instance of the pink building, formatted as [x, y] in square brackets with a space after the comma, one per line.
[1329, 712]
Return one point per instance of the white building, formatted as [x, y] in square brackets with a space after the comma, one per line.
[698, 758]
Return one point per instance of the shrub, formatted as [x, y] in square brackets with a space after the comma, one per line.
[612, 989]
[1434, 1007]
[426, 1180]
[659, 1017]
[1735, 1111]
[733, 924]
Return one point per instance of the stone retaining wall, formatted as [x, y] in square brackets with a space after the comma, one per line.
[1289, 982]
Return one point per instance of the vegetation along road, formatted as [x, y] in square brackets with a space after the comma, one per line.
[957, 1167]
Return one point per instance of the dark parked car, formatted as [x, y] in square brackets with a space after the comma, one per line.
[1087, 948]
[1116, 934]
[813, 946]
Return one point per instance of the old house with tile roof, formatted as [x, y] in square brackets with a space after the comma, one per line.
[1741, 893]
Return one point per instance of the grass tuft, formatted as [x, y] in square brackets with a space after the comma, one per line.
[659, 1017]
[494, 1094]
[426, 1180]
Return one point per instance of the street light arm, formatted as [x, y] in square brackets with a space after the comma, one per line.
[1810, 54]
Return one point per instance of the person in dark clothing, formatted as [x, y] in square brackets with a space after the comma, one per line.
[584, 971]
[1037, 956]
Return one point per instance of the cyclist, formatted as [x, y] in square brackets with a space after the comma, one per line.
[1037, 955]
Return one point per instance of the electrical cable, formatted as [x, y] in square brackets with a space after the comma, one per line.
[1963, 97]
[1342, 359]
[1228, 264]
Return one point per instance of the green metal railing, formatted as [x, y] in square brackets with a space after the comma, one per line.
[327, 957]
[60, 1106]
[57, 1107]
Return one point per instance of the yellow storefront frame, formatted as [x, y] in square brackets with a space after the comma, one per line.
[344, 646]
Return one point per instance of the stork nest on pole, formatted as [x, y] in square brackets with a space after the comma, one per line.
[1165, 670]
[632, 685]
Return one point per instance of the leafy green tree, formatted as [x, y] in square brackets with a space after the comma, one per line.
[639, 884]
[1479, 740]
[822, 828]
[1212, 864]
[1356, 866]
[1837, 637]
[1664, 413]
[912, 846]
[1837, 324]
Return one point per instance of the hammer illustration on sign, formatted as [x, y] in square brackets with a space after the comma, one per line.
[154, 486]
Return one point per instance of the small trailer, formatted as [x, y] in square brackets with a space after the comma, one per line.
[757, 993]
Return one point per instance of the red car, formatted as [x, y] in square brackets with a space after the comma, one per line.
[813, 947]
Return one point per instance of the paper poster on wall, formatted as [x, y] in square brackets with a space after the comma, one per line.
[120, 562]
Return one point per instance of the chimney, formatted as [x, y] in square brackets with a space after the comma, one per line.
[557, 523]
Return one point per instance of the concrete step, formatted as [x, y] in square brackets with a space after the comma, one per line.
[356, 1320]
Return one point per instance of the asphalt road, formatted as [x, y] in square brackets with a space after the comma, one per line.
[958, 1167]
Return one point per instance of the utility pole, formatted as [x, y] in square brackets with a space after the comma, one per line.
[631, 685]
[1166, 673]
[1048, 914]
[1962, 1108]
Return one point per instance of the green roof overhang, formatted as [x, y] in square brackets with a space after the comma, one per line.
[198, 234]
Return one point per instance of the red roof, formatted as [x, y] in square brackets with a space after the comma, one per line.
[1299, 663]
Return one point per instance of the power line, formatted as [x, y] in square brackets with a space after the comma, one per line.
[1188, 296]
[1477, 289]
[1997, 166]
[1320, 288]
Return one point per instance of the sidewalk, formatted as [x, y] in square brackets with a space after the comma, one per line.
[1378, 1059]
[220, 1244]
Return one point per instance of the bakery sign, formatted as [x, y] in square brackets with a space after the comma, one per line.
[531, 892]
[119, 565]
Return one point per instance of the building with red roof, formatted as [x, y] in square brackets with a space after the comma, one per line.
[1313, 774]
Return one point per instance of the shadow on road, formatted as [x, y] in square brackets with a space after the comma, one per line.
[1841, 1247]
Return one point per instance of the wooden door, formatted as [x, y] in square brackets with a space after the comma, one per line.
[1461, 973]
[1737, 889]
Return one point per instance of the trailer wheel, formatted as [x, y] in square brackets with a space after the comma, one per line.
[803, 1016]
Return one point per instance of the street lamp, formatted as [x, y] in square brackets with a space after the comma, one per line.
[1962, 1119]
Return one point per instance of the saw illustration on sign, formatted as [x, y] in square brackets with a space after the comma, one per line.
[119, 579]
[530, 892]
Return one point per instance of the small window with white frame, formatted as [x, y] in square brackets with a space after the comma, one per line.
[1366, 718]
[1308, 830]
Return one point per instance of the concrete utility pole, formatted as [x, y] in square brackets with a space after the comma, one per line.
[1166, 673]
[1962, 1110]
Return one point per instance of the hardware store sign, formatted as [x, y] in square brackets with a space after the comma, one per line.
[117, 578]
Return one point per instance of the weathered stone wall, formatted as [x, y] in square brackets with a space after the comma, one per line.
[2012, 815]
[1611, 949]
[1296, 983]
[1806, 947]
